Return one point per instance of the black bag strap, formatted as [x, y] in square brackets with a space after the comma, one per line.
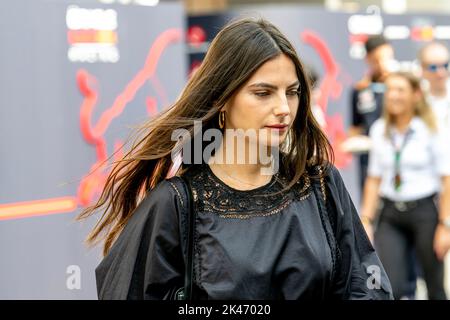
[187, 233]
[189, 268]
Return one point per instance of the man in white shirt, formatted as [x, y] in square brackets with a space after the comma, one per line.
[435, 58]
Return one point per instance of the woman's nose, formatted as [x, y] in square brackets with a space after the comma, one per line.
[282, 108]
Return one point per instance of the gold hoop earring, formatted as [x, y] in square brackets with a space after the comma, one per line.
[221, 119]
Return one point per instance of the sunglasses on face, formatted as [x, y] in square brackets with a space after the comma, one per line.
[435, 67]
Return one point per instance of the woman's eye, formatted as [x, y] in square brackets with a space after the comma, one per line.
[262, 93]
[293, 93]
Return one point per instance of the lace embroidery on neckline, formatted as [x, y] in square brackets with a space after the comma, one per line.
[211, 195]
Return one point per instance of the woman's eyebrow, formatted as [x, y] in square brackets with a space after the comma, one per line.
[295, 84]
[270, 86]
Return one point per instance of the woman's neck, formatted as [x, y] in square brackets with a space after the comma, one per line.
[402, 121]
[240, 170]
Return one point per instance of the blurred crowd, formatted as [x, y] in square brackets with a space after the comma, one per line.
[402, 118]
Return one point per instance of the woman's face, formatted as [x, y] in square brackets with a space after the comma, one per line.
[400, 96]
[267, 103]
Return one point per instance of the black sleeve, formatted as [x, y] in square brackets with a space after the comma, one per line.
[146, 261]
[359, 274]
[356, 116]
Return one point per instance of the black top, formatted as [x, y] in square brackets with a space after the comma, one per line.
[253, 244]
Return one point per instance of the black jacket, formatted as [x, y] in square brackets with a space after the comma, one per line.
[295, 252]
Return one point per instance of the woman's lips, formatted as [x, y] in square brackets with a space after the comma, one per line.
[279, 127]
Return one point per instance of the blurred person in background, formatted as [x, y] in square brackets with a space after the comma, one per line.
[367, 95]
[435, 59]
[408, 168]
[316, 109]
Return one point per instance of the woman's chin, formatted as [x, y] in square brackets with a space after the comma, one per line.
[274, 140]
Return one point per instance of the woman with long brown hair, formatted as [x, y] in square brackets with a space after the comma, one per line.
[267, 217]
[409, 167]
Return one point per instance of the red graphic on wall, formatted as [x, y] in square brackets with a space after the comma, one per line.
[92, 184]
[330, 88]
[94, 133]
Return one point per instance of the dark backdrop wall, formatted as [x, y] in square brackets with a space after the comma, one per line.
[75, 77]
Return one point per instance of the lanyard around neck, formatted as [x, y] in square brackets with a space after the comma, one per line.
[397, 157]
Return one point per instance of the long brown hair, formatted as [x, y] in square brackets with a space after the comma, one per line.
[237, 51]
[421, 108]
